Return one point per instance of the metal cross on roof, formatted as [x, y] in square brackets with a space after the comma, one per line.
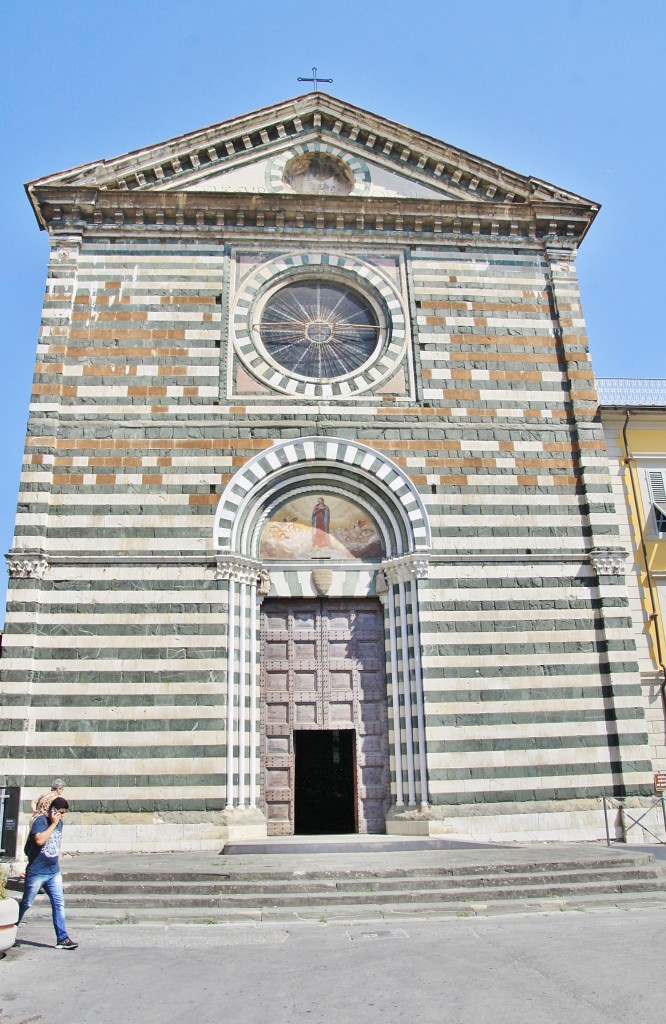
[315, 80]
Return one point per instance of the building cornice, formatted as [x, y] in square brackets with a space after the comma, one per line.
[75, 210]
[22, 563]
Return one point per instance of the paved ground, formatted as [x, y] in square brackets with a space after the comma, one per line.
[591, 968]
[658, 849]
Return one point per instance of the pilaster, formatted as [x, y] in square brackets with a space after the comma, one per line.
[247, 583]
[397, 588]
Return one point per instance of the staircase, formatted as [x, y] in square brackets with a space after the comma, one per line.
[357, 886]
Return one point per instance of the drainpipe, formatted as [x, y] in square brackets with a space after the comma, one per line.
[654, 616]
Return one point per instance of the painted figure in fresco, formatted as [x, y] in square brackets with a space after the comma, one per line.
[321, 519]
[317, 527]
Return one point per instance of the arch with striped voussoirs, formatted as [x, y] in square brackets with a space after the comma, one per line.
[356, 168]
[331, 464]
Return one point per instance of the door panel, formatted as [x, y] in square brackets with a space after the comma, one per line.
[322, 668]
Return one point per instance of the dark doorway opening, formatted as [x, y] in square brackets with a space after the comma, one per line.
[324, 797]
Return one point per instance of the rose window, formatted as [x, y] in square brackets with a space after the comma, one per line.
[318, 330]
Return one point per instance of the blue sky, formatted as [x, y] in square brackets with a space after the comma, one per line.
[567, 90]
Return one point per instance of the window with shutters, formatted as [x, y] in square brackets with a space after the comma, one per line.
[656, 479]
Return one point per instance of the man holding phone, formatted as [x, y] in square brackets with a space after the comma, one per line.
[43, 851]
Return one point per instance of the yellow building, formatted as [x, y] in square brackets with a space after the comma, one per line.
[633, 413]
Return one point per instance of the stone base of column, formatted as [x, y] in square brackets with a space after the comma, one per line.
[244, 823]
[412, 820]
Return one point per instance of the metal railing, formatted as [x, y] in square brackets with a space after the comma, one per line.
[619, 805]
[647, 391]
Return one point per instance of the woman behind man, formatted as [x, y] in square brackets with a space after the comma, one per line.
[41, 804]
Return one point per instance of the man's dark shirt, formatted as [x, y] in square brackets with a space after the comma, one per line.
[45, 858]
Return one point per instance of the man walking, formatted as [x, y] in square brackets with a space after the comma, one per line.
[43, 850]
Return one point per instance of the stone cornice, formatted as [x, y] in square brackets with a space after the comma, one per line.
[604, 560]
[221, 215]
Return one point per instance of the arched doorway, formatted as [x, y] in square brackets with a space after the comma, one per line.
[321, 543]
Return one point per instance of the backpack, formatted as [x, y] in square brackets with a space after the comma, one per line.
[31, 849]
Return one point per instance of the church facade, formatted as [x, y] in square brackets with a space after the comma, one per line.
[316, 530]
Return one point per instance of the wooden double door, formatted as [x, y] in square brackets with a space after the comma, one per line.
[323, 671]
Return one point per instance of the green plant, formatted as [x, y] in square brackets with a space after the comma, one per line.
[3, 884]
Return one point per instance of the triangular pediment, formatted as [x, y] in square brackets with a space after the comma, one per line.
[249, 154]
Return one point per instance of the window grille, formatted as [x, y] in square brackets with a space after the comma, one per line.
[657, 485]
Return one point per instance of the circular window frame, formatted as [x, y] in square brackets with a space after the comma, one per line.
[379, 292]
[356, 167]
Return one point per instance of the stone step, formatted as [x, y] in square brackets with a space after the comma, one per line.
[255, 869]
[366, 843]
[117, 914]
[255, 889]
[194, 886]
[305, 897]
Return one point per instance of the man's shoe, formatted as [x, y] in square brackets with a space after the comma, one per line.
[67, 944]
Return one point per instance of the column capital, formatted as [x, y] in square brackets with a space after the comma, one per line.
[240, 569]
[27, 566]
[402, 570]
[264, 583]
[608, 561]
[562, 260]
[65, 247]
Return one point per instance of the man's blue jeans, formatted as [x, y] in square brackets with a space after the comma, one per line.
[51, 880]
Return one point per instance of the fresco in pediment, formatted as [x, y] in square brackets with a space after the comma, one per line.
[251, 177]
[320, 526]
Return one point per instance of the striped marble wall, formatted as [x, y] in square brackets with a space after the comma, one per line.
[115, 650]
